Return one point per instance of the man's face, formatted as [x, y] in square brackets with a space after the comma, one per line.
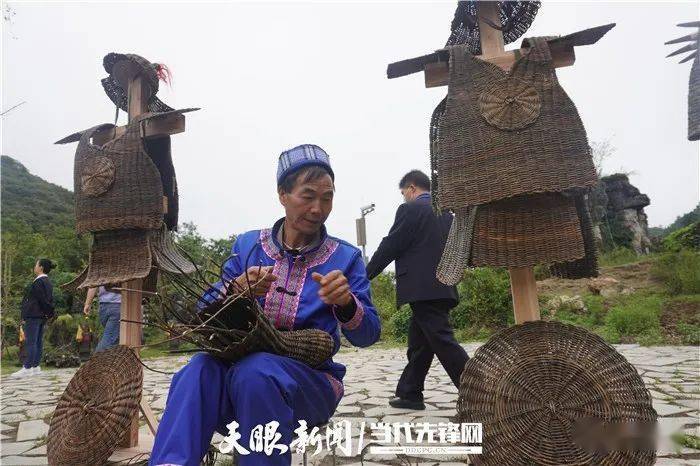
[308, 205]
[409, 193]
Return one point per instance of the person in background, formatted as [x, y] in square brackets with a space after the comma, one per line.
[37, 307]
[415, 242]
[109, 314]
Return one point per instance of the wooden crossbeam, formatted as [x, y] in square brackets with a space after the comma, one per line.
[438, 74]
[435, 65]
[156, 127]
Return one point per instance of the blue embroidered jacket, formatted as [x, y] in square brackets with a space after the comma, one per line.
[292, 303]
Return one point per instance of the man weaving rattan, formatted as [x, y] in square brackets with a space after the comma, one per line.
[304, 279]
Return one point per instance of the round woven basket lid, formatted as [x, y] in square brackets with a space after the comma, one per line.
[515, 18]
[545, 390]
[97, 176]
[96, 409]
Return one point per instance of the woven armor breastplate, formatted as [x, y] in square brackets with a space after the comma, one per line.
[508, 134]
[117, 185]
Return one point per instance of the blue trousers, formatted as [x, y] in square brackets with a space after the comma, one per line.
[34, 339]
[109, 314]
[208, 393]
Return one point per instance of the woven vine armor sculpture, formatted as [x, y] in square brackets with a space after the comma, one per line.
[508, 134]
[119, 191]
[510, 158]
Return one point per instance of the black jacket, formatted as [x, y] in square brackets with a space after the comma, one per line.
[415, 242]
[38, 300]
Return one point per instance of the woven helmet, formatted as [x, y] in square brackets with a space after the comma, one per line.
[515, 18]
[123, 67]
[546, 391]
[96, 409]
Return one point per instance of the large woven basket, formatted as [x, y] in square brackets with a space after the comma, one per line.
[533, 385]
[96, 409]
[243, 329]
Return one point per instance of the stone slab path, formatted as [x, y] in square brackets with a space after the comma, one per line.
[672, 375]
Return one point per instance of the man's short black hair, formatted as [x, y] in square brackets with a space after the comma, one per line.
[303, 175]
[46, 265]
[416, 178]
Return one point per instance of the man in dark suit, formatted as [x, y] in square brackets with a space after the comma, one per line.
[415, 242]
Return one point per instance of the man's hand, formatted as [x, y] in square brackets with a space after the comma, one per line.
[86, 309]
[260, 279]
[335, 288]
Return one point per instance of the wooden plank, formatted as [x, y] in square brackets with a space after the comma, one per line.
[138, 99]
[523, 288]
[130, 335]
[130, 332]
[149, 416]
[166, 125]
[562, 44]
[438, 74]
[491, 38]
[414, 65]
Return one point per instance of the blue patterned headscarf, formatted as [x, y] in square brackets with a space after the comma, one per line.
[300, 157]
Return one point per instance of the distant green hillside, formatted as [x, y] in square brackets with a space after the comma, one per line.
[28, 198]
[681, 221]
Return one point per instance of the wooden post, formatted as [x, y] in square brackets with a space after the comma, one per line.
[522, 279]
[524, 291]
[491, 39]
[130, 335]
[130, 332]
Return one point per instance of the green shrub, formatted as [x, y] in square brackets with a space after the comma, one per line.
[596, 308]
[384, 294]
[690, 333]
[635, 318]
[542, 272]
[484, 300]
[618, 256]
[400, 322]
[62, 330]
[678, 271]
[473, 334]
[684, 238]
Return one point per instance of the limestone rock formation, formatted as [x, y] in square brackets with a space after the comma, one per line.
[618, 211]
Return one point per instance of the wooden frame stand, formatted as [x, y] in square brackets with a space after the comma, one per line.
[130, 330]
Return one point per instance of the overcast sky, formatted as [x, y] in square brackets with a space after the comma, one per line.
[270, 76]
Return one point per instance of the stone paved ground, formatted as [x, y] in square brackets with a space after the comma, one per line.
[671, 373]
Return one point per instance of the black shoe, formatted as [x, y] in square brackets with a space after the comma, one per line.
[403, 403]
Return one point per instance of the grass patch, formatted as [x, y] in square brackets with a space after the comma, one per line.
[636, 318]
[680, 320]
[619, 256]
[679, 272]
[687, 440]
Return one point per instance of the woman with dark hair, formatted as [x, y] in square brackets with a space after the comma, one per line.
[304, 279]
[37, 307]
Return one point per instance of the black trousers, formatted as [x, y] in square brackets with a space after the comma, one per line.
[430, 334]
